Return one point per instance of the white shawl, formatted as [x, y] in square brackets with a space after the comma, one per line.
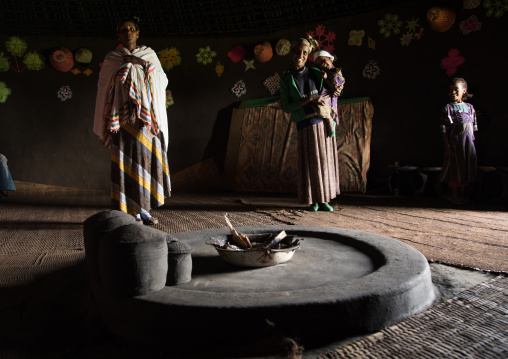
[112, 63]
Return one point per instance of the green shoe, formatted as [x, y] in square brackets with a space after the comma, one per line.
[325, 207]
[314, 207]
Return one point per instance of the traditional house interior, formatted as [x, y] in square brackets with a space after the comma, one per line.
[232, 150]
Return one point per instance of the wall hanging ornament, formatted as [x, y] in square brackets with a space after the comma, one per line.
[469, 25]
[64, 93]
[495, 7]
[219, 69]
[61, 59]
[263, 52]
[471, 4]
[83, 56]
[420, 34]
[76, 71]
[249, 64]
[169, 99]
[4, 92]
[169, 58]
[440, 18]
[237, 53]
[390, 25]
[88, 72]
[405, 40]
[239, 88]
[412, 25]
[371, 70]
[17, 47]
[324, 39]
[355, 37]
[453, 61]
[205, 55]
[282, 47]
[272, 83]
[371, 43]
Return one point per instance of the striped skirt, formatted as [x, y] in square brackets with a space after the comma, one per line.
[318, 165]
[139, 170]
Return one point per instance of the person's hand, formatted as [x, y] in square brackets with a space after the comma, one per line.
[319, 99]
[134, 60]
[324, 74]
[337, 92]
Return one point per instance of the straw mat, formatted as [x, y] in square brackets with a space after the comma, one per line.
[474, 324]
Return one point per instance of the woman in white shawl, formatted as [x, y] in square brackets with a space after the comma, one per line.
[131, 120]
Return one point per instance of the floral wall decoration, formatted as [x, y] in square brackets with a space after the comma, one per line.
[282, 47]
[64, 93]
[205, 55]
[324, 39]
[391, 24]
[17, 47]
[495, 7]
[355, 37]
[237, 53]
[452, 61]
[413, 31]
[169, 99]
[371, 70]
[470, 24]
[219, 69]
[239, 88]
[272, 83]
[249, 64]
[4, 92]
[169, 58]
[83, 56]
[471, 4]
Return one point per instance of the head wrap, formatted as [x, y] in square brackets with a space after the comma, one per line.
[308, 41]
[323, 53]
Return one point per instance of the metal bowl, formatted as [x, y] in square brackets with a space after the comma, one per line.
[255, 257]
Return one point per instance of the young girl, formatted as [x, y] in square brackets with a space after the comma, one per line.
[458, 125]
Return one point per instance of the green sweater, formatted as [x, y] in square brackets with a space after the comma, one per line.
[291, 98]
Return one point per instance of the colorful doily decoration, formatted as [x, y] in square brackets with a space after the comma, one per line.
[249, 64]
[237, 53]
[4, 92]
[371, 70]
[205, 55]
[282, 47]
[169, 99]
[169, 58]
[272, 83]
[219, 69]
[17, 47]
[323, 38]
[239, 88]
[452, 62]
[64, 93]
[355, 37]
[495, 7]
[391, 24]
[469, 25]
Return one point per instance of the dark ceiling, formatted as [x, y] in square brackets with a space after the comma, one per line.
[171, 17]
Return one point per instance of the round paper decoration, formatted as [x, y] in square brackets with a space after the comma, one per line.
[61, 59]
[83, 56]
[236, 53]
[263, 52]
[471, 4]
[440, 18]
[282, 47]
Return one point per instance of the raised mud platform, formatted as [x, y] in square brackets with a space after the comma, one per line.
[339, 283]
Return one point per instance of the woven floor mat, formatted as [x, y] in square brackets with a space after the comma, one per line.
[472, 237]
[474, 324]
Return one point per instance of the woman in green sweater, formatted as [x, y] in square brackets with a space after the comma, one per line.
[301, 89]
